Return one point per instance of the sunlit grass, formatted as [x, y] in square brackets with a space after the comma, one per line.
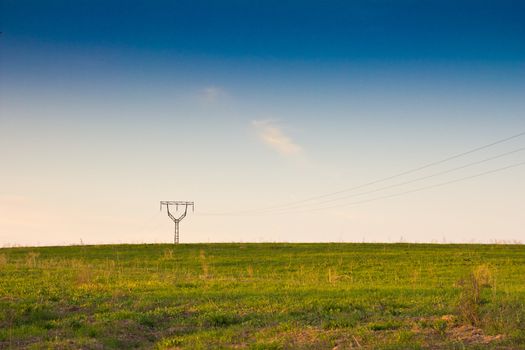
[263, 296]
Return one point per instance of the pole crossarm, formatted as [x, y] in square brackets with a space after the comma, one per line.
[176, 203]
[176, 220]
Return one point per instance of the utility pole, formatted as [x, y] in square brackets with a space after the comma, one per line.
[176, 220]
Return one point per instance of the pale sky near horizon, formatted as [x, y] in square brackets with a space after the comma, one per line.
[104, 113]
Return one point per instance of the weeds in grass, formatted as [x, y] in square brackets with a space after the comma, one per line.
[167, 254]
[470, 295]
[469, 300]
[31, 259]
[484, 275]
[84, 274]
[3, 260]
[416, 275]
[109, 269]
[204, 264]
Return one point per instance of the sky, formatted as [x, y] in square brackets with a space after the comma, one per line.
[294, 121]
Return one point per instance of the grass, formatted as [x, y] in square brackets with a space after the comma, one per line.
[263, 296]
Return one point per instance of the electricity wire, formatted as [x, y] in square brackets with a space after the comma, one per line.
[426, 187]
[410, 181]
[401, 193]
[295, 204]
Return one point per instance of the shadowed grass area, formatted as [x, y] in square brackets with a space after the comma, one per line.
[263, 296]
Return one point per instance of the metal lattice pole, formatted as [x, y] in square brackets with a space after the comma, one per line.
[176, 239]
[177, 220]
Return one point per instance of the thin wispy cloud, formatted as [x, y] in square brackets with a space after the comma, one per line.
[211, 94]
[272, 134]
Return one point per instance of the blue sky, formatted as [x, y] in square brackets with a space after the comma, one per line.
[337, 31]
[107, 108]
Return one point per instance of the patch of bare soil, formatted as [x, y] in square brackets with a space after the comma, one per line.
[466, 334]
[472, 335]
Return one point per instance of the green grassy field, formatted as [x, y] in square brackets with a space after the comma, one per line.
[263, 296]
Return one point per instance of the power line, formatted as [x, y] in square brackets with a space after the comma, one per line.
[392, 195]
[419, 189]
[410, 181]
[413, 170]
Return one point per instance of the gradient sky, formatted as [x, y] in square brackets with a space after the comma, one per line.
[108, 107]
